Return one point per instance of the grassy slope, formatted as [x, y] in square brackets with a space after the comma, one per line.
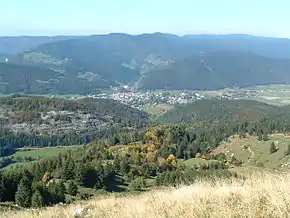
[159, 109]
[34, 153]
[197, 161]
[43, 152]
[260, 195]
[257, 152]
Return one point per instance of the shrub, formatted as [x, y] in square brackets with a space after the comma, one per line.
[273, 148]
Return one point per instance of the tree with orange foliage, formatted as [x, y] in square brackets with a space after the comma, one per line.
[46, 177]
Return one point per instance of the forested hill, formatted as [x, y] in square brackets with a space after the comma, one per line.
[49, 122]
[222, 110]
[153, 61]
[217, 70]
[39, 79]
[24, 78]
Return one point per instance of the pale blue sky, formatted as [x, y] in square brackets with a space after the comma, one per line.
[51, 17]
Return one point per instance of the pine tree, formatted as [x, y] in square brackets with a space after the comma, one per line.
[68, 169]
[37, 199]
[80, 174]
[72, 188]
[265, 136]
[288, 150]
[124, 166]
[138, 184]
[24, 193]
[273, 148]
[60, 188]
[260, 136]
[56, 191]
[2, 190]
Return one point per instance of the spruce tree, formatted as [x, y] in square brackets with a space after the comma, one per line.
[273, 148]
[37, 199]
[138, 184]
[72, 188]
[124, 166]
[2, 190]
[265, 136]
[60, 188]
[260, 136]
[23, 193]
[288, 150]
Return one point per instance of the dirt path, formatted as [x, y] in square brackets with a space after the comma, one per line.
[253, 154]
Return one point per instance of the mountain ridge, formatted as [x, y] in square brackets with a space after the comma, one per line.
[145, 61]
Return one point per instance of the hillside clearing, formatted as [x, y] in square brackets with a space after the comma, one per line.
[158, 109]
[254, 152]
[42, 152]
[260, 195]
[34, 153]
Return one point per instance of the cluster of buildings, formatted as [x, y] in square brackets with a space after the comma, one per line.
[146, 99]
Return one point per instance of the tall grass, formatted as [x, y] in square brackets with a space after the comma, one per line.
[259, 195]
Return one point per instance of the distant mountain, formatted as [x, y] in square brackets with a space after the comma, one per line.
[215, 70]
[13, 45]
[153, 61]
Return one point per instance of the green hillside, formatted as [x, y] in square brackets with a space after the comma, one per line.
[164, 61]
[217, 70]
[33, 79]
[257, 153]
[220, 110]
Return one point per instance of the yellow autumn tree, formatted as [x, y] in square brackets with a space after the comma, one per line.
[171, 157]
[151, 148]
[198, 155]
[46, 177]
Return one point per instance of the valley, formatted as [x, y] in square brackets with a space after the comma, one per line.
[104, 119]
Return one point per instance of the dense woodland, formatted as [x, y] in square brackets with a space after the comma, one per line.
[144, 157]
[116, 116]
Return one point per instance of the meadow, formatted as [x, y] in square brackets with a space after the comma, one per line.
[24, 156]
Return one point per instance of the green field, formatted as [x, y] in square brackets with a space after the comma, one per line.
[42, 152]
[159, 109]
[34, 153]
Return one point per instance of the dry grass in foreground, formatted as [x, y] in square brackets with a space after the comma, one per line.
[261, 195]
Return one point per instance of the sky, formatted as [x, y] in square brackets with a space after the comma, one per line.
[180, 17]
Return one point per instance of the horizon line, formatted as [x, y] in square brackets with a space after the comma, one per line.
[139, 34]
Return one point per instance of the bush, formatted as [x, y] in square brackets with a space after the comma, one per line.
[138, 184]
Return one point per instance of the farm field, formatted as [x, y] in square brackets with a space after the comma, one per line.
[275, 94]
